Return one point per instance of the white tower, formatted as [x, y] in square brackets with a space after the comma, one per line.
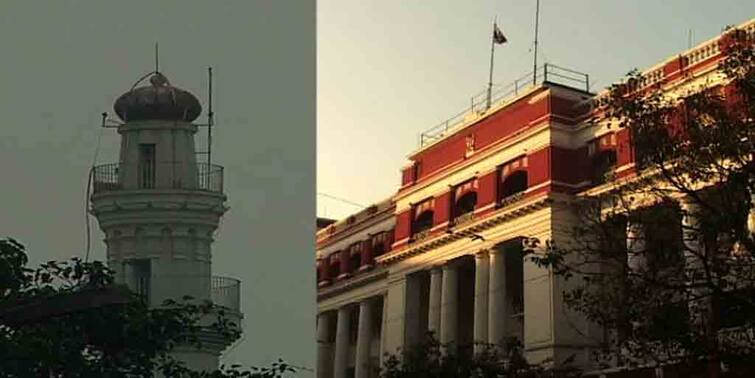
[159, 208]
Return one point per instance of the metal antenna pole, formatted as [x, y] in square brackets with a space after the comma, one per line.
[210, 115]
[157, 58]
[534, 65]
[490, 77]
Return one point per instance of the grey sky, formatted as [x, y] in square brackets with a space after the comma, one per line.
[389, 69]
[65, 62]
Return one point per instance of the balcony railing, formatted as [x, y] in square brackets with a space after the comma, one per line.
[226, 292]
[463, 218]
[547, 73]
[223, 291]
[160, 175]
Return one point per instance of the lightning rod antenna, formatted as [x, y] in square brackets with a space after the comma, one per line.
[157, 58]
[210, 117]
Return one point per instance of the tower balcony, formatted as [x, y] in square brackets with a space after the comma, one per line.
[157, 176]
[224, 292]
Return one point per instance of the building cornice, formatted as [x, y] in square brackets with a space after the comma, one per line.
[500, 216]
[351, 284]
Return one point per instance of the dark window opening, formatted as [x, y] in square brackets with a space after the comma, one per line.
[355, 261]
[424, 222]
[603, 164]
[466, 204]
[146, 166]
[335, 269]
[142, 269]
[663, 239]
[378, 244]
[514, 183]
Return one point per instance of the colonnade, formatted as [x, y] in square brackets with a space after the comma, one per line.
[335, 352]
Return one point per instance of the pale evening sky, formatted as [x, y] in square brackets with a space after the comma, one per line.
[387, 70]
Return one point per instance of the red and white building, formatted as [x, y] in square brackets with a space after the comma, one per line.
[444, 253]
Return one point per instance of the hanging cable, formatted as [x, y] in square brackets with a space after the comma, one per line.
[87, 220]
[341, 200]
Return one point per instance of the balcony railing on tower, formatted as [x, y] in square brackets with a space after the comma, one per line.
[223, 291]
[160, 175]
[226, 292]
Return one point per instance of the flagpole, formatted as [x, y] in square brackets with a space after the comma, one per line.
[534, 64]
[490, 77]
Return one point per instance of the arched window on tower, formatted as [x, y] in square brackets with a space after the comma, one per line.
[514, 183]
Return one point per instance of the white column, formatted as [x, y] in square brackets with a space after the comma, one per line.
[693, 262]
[433, 317]
[498, 314]
[364, 339]
[342, 342]
[324, 346]
[635, 245]
[449, 306]
[481, 287]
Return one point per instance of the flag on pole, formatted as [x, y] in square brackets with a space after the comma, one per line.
[498, 36]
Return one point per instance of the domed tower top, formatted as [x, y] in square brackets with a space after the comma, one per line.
[158, 101]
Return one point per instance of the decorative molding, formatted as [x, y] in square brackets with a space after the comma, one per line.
[503, 215]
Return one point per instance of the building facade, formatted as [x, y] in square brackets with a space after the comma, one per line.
[477, 186]
[159, 209]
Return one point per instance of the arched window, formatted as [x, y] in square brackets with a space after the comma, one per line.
[464, 207]
[466, 204]
[334, 267]
[355, 256]
[423, 222]
[514, 183]
[378, 244]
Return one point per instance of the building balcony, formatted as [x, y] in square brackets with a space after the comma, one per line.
[116, 177]
[224, 292]
[463, 219]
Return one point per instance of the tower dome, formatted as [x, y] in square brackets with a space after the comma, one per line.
[158, 101]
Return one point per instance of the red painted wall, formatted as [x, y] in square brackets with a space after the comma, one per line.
[569, 166]
[539, 167]
[403, 225]
[488, 189]
[442, 208]
[624, 149]
[494, 128]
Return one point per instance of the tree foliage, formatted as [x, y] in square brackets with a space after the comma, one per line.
[125, 338]
[679, 289]
[428, 359]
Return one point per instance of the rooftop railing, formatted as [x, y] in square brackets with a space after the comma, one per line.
[548, 73]
[160, 175]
